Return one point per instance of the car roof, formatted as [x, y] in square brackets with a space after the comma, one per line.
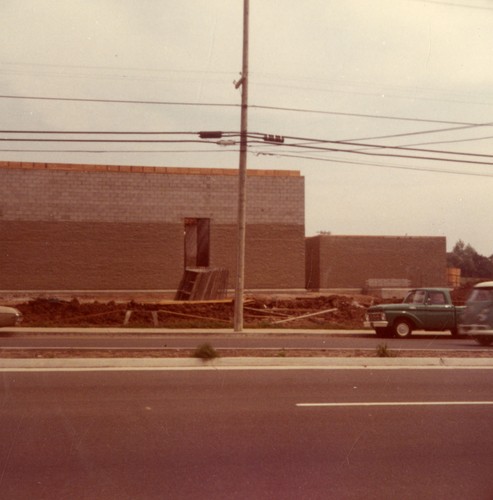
[484, 284]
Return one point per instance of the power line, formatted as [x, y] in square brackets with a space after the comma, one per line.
[276, 154]
[309, 143]
[225, 105]
[360, 115]
[450, 4]
[104, 132]
[254, 135]
[375, 93]
[118, 151]
[142, 141]
[235, 134]
[382, 165]
[453, 141]
[120, 101]
[422, 132]
[390, 155]
[395, 155]
[99, 132]
[378, 146]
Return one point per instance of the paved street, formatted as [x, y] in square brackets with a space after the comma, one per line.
[267, 339]
[247, 434]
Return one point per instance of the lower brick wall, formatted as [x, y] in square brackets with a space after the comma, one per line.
[76, 255]
[274, 254]
[349, 261]
[136, 256]
[275, 257]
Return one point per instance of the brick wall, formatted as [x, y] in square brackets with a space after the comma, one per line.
[146, 194]
[348, 261]
[38, 255]
[119, 227]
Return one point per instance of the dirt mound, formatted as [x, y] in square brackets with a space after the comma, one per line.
[332, 311]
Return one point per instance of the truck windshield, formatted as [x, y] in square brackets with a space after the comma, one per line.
[415, 297]
[481, 295]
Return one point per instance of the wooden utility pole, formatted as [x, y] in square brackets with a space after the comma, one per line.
[240, 259]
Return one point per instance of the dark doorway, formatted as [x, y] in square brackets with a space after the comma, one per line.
[197, 242]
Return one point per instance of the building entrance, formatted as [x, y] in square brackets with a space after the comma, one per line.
[197, 242]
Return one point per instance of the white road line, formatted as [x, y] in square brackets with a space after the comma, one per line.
[399, 403]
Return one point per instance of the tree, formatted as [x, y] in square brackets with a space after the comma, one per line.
[471, 264]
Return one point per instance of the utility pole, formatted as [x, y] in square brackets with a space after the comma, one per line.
[240, 258]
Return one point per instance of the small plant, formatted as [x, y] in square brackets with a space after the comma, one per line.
[384, 352]
[205, 351]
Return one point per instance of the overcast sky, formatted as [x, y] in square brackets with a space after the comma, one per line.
[401, 73]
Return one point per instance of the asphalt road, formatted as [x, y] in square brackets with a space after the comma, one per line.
[189, 340]
[247, 434]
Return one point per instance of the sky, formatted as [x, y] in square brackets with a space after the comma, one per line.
[386, 107]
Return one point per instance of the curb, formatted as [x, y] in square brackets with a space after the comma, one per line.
[143, 364]
[178, 331]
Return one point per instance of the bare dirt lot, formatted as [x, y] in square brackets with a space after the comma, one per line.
[332, 311]
[307, 311]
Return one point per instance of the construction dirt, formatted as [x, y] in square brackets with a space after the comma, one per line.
[307, 311]
[332, 311]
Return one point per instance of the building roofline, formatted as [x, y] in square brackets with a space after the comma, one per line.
[75, 167]
[369, 236]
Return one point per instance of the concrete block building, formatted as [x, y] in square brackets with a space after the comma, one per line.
[358, 263]
[106, 227]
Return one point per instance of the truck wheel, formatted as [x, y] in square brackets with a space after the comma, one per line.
[383, 333]
[484, 339]
[454, 332]
[402, 328]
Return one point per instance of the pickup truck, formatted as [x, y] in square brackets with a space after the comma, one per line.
[477, 319]
[428, 309]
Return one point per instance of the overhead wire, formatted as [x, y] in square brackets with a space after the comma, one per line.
[395, 155]
[233, 105]
[310, 143]
[111, 151]
[451, 4]
[120, 101]
[423, 132]
[369, 148]
[263, 153]
[382, 165]
[319, 145]
[254, 135]
[459, 125]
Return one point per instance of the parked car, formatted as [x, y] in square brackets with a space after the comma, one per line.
[477, 319]
[429, 309]
[9, 316]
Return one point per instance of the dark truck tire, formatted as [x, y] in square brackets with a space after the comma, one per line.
[485, 340]
[402, 328]
[383, 333]
[455, 333]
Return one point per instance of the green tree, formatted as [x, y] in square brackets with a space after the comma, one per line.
[471, 264]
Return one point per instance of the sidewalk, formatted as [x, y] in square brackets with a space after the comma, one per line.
[274, 363]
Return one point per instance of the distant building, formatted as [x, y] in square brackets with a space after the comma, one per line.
[105, 227]
[359, 263]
